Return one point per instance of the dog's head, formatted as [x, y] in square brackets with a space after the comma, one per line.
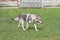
[39, 20]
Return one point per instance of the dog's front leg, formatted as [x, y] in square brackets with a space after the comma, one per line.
[35, 26]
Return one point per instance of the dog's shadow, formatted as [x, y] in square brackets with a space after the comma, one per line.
[32, 28]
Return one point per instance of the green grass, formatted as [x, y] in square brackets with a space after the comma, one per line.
[49, 30]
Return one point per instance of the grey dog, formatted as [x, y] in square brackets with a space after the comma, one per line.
[28, 18]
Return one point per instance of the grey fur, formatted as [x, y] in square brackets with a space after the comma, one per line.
[23, 16]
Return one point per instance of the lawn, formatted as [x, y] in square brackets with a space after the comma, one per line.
[49, 30]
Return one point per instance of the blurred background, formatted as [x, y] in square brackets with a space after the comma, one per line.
[30, 3]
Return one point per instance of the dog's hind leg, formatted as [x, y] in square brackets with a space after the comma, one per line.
[23, 25]
[26, 25]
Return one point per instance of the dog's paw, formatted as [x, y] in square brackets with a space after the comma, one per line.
[37, 30]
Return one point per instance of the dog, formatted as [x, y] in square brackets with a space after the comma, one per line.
[28, 18]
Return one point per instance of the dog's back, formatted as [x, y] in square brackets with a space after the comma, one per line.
[30, 17]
